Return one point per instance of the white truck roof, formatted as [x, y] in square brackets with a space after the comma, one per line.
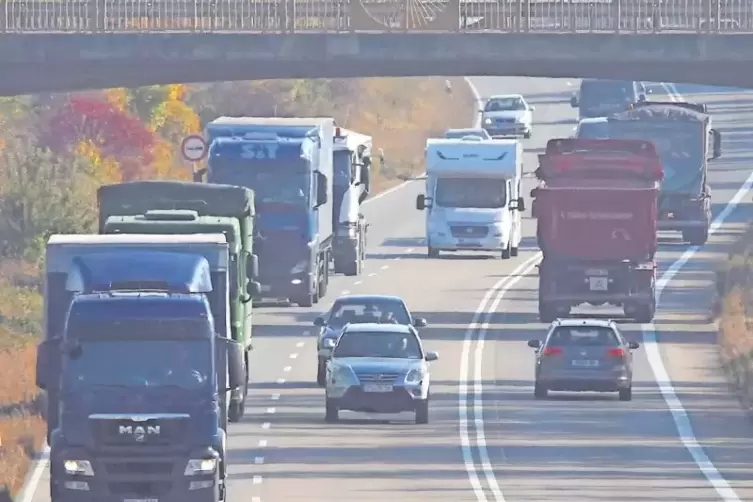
[350, 140]
[285, 121]
[62, 248]
[474, 158]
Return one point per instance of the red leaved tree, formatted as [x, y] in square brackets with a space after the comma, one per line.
[117, 134]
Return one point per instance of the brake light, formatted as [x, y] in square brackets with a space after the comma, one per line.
[617, 352]
[552, 351]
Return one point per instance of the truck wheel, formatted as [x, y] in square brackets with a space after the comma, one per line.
[546, 313]
[235, 411]
[351, 269]
[626, 394]
[324, 282]
[506, 252]
[696, 237]
[422, 411]
[513, 251]
[332, 414]
[305, 300]
[433, 253]
[644, 314]
[321, 373]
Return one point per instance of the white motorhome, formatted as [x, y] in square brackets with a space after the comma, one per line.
[473, 198]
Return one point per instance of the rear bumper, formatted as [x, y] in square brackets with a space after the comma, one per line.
[614, 298]
[681, 224]
[585, 384]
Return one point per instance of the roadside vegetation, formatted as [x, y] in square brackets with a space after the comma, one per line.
[55, 150]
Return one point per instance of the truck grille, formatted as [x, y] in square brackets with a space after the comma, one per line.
[469, 231]
[140, 488]
[377, 377]
[139, 467]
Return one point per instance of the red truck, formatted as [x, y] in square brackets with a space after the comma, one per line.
[596, 205]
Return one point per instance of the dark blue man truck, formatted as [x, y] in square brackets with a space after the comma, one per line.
[686, 142]
[140, 373]
[288, 164]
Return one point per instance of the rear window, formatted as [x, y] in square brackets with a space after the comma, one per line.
[606, 91]
[592, 336]
[593, 130]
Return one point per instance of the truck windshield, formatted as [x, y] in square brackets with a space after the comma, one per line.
[594, 93]
[287, 182]
[679, 146]
[471, 192]
[140, 364]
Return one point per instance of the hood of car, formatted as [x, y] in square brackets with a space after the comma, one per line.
[378, 364]
[506, 114]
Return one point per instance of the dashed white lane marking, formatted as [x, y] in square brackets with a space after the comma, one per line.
[306, 333]
[257, 480]
[280, 381]
[372, 274]
[275, 397]
[409, 250]
[293, 356]
[258, 460]
[653, 354]
[300, 344]
[287, 369]
[385, 267]
[255, 499]
[263, 443]
[357, 283]
[345, 292]
[396, 258]
[266, 425]
[271, 411]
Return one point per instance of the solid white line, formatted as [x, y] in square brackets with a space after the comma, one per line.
[480, 441]
[30, 487]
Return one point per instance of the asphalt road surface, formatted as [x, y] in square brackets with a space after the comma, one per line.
[682, 438]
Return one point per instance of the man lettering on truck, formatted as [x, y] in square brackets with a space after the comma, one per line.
[685, 141]
[596, 209]
[280, 159]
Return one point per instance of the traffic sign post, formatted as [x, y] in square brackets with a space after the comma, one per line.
[193, 148]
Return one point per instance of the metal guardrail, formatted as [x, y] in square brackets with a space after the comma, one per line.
[289, 16]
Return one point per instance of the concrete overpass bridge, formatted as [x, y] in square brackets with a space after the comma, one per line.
[58, 45]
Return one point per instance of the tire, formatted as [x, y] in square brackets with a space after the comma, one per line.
[324, 282]
[422, 411]
[546, 313]
[527, 135]
[235, 411]
[539, 391]
[506, 252]
[626, 394]
[513, 251]
[644, 314]
[321, 373]
[696, 237]
[332, 414]
[432, 253]
[305, 301]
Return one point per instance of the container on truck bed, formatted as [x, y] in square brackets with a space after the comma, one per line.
[596, 208]
[180, 208]
[140, 372]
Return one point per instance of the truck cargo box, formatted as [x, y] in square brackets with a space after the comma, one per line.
[597, 223]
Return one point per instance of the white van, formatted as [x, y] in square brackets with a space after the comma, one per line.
[473, 197]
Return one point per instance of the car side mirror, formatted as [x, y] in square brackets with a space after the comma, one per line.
[48, 363]
[319, 322]
[232, 352]
[717, 144]
[634, 345]
[420, 322]
[420, 202]
[574, 101]
[321, 189]
[534, 344]
[252, 266]
[431, 356]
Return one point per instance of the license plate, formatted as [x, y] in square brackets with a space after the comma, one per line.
[140, 500]
[468, 242]
[598, 283]
[377, 387]
[585, 363]
[263, 289]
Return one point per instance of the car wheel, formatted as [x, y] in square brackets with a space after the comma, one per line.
[332, 414]
[626, 394]
[433, 253]
[321, 373]
[539, 391]
[422, 411]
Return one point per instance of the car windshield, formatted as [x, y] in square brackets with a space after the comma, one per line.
[376, 311]
[594, 93]
[378, 344]
[471, 192]
[593, 130]
[596, 336]
[140, 364]
[464, 133]
[504, 104]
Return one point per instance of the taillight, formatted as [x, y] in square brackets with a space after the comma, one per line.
[617, 352]
[552, 351]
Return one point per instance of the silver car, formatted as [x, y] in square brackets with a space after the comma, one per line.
[379, 368]
[584, 355]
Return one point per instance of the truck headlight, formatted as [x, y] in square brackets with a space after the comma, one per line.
[198, 466]
[487, 121]
[78, 467]
[300, 267]
[414, 377]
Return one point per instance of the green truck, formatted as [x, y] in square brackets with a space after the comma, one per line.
[175, 207]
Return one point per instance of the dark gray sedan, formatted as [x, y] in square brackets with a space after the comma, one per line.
[584, 355]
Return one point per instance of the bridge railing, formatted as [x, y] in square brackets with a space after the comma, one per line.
[288, 16]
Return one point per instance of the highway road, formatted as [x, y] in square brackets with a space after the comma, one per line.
[682, 438]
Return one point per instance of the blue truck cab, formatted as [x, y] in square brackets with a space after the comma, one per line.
[288, 164]
[140, 372]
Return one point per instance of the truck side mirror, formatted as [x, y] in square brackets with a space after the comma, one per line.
[233, 352]
[641, 98]
[521, 204]
[252, 266]
[48, 362]
[717, 144]
[253, 289]
[420, 202]
[574, 101]
[198, 175]
[321, 189]
[534, 192]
